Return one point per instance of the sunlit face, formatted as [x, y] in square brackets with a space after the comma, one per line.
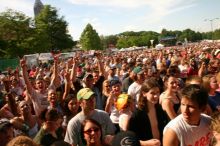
[213, 83]
[140, 78]
[39, 84]
[107, 87]
[52, 97]
[116, 88]
[190, 111]
[152, 95]
[172, 84]
[95, 76]
[73, 106]
[88, 105]
[24, 107]
[92, 133]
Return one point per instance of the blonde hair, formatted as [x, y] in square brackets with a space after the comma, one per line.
[103, 86]
[206, 82]
[215, 122]
[191, 79]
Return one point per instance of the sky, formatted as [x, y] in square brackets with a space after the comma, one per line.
[110, 17]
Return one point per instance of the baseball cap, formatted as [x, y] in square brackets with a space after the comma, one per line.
[125, 138]
[4, 123]
[112, 67]
[84, 93]
[138, 70]
[114, 82]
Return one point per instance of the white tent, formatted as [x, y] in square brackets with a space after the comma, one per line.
[159, 46]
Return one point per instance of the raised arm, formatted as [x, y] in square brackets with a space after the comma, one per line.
[101, 65]
[25, 76]
[202, 69]
[67, 84]
[73, 71]
[55, 78]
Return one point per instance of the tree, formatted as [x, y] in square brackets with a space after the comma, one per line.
[109, 41]
[14, 33]
[51, 31]
[142, 38]
[90, 39]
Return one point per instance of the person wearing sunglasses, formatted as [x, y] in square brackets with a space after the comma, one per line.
[86, 98]
[91, 133]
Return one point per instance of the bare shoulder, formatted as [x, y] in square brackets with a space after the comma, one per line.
[170, 138]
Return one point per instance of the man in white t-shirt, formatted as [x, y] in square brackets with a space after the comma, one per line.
[38, 95]
[135, 87]
[191, 128]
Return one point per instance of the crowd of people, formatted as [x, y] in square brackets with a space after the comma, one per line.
[148, 97]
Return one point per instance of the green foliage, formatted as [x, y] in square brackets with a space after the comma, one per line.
[18, 35]
[216, 34]
[142, 38]
[51, 30]
[90, 39]
[14, 33]
[109, 41]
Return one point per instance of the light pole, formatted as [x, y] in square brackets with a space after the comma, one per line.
[152, 43]
[211, 22]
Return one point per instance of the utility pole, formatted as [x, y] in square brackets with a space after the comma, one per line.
[211, 22]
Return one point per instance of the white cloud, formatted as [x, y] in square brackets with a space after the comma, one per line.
[158, 8]
[162, 8]
[25, 6]
[110, 3]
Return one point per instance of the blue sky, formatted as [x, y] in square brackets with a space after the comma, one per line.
[116, 16]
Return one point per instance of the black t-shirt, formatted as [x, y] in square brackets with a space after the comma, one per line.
[140, 123]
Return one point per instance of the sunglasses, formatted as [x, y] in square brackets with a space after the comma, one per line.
[89, 131]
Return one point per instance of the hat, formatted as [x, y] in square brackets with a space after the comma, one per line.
[112, 67]
[3, 123]
[114, 82]
[122, 101]
[125, 138]
[84, 93]
[138, 70]
[216, 52]
[129, 60]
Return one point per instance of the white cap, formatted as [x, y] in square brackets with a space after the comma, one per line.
[145, 60]
[129, 60]
[216, 52]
